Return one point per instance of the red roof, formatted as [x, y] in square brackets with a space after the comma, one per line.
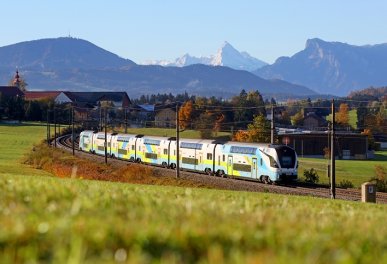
[28, 95]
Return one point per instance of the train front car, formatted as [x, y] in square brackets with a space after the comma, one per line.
[86, 140]
[281, 163]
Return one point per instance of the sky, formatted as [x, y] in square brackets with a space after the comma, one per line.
[166, 29]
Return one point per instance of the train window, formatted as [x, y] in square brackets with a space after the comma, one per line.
[219, 160]
[165, 151]
[261, 162]
[224, 158]
[132, 147]
[174, 153]
[209, 156]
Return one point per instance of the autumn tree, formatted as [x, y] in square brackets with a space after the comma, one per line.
[297, 119]
[371, 139]
[204, 123]
[342, 116]
[185, 114]
[241, 136]
[257, 131]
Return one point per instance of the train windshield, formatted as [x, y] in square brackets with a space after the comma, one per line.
[286, 156]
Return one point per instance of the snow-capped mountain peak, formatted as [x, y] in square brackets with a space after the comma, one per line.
[227, 55]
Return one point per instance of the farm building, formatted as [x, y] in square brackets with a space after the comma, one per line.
[348, 145]
[117, 99]
[312, 121]
[165, 117]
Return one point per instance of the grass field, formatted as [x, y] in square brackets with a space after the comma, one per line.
[78, 221]
[52, 220]
[356, 171]
[16, 140]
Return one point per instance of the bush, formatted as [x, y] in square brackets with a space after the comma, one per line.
[311, 176]
[381, 178]
[345, 184]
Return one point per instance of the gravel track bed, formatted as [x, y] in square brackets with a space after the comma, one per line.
[231, 183]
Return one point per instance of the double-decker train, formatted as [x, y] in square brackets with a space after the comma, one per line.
[264, 162]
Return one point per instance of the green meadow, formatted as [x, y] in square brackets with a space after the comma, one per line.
[355, 171]
[15, 141]
[45, 219]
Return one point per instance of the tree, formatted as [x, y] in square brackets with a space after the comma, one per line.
[248, 105]
[371, 139]
[33, 111]
[297, 119]
[205, 124]
[342, 117]
[185, 114]
[257, 131]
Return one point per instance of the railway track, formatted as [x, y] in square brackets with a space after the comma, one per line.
[296, 188]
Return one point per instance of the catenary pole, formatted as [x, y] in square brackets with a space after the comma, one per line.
[54, 127]
[72, 130]
[105, 125]
[272, 125]
[48, 127]
[126, 122]
[177, 142]
[332, 174]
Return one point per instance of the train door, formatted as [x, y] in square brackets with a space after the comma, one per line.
[229, 166]
[254, 169]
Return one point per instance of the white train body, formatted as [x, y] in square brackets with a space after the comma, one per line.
[246, 160]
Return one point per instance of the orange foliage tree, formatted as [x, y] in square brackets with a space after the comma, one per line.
[185, 114]
[342, 117]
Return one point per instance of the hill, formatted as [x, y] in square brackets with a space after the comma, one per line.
[75, 64]
[332, 67]
[378, 93]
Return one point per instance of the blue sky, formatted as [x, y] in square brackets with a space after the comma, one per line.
[141, 30]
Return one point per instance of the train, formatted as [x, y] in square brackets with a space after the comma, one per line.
[264, 162]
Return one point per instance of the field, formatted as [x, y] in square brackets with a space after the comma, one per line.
[356, 171]
[15, 140]
[48, 219]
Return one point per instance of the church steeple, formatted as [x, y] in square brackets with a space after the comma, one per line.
[16, 79]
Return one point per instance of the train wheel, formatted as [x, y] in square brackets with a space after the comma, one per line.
[173, 166]
[164, 164]
[131, 159]
[138, 160]
[221, 173]
[264, 179]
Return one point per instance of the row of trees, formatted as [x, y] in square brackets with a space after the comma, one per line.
[210, 115]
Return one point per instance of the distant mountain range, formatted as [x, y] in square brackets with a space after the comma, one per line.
[227, 56]
[332, 67]
[78, 65]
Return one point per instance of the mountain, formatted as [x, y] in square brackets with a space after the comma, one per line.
[78, 65]
[332, 67]
[64, 53]
[227, 56]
